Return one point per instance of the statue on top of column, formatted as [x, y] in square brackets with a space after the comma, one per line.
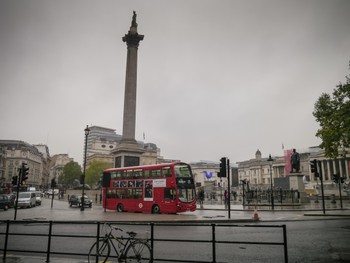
[133, 22]
[133, 38]
[133, 28]
[295, 162]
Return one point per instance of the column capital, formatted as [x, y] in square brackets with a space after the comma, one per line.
[132, 39]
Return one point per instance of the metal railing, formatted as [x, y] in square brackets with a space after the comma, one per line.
[212, 239]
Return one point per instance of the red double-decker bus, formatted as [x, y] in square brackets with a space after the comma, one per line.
[160, 188]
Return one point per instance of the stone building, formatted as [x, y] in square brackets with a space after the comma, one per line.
[13, 154]
[46, 162]
[206, 174]
[102, 141]
[58, 161]
[257, 171]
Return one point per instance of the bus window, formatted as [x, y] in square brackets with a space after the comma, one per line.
[186, 195]
[120, 174]
[155, 173]
[113, 175]
[182, 195]
[129, 194]
[129, 174]
[137, 174]
[166, 171]
[109, 193]
[182, 170]
[138, 194]
[146, 173]
[120, 193]
[131, 183]
[113, 193]
[169, 194]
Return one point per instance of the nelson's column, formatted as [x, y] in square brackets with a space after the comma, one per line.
[128, 152]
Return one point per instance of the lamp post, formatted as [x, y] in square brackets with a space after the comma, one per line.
[270, 160]
[87, 130]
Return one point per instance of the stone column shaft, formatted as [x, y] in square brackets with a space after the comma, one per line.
[129, 118]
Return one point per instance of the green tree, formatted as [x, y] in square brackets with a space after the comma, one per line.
[71, 171]
[333, 115]
[94, 172]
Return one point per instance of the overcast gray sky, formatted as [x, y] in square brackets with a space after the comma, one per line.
[215, 78]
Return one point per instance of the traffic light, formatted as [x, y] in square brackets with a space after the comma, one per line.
[336, 178]
[222, 167]
[14, 180]
[53, 183]
[25, 172]
[313, 165]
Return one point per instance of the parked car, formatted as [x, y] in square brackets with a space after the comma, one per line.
[38, 198]
[26, 199]
[49, 192]
[12, 198]
[5, 202]
[77, 199]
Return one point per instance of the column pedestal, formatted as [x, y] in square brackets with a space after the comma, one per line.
[127, 153]
[296, 183]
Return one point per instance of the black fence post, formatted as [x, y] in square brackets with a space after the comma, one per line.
[49, 243]
[97, 241]
[285, 243]
[213, 242]
[6, 238]
[152, 241]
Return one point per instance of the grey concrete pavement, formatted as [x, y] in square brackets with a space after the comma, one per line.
[27, 259]
[61, 211]
[210, 212]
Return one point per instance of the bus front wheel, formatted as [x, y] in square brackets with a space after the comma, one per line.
[120, 208]
[155, 209]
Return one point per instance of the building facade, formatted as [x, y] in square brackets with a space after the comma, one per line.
[206, 174]
[102, 142]
[46, 162]
[13, 154]
[58, 161]
[257, 171]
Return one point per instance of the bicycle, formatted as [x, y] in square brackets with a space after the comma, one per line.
[129, 249]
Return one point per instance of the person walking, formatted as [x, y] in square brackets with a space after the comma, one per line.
[200, 197]
[226, 198]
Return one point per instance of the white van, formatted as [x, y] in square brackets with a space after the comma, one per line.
[26, 199]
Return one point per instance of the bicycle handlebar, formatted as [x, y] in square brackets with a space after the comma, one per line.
[112, 227]
[131, 234]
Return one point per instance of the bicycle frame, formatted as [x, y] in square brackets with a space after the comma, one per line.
[127, 248]
[122, 245]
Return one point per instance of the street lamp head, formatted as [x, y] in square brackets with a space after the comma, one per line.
[270, 160]
[87, 130]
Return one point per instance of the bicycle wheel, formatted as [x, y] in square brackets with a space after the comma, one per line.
[100, 256]
[138, 251]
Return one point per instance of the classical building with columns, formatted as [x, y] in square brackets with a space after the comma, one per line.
[102, 142]
[257, 171]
